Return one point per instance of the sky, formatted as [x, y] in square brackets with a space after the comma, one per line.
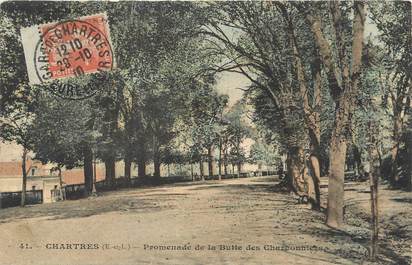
[10, 152]
[229, 84]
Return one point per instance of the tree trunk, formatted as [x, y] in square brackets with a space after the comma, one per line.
[373, 181]
[88, 170]
[409, 152]
[315, 132]
[313, 122]
[141, 168]
[62, 191]
[357, 157]
[191, 171]
[394, 164]
[314, 169]
[315, 175]
[373, 178]
[210, 160]
[239, 169]
[295, 168]
[94, 190]
[337, 159]
[225, 162]
[344, 102]
[202, 175]
[336, 182]
[156, 156]
[110, 166]
[311, 173]
[156, 164]
[220, 158]
[343, 84]
[127, 168]
[311, 111]
[24, 182]
[396, 135]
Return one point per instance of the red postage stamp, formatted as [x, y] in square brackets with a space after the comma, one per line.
[76, 47]
[68, 48]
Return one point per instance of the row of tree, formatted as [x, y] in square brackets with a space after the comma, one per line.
[159, 106]
[317, 85]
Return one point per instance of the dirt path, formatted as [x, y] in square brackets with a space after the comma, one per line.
[241, 221]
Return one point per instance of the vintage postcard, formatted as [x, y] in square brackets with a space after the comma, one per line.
[205, 132]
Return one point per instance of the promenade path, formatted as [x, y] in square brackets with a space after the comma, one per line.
[237, 221]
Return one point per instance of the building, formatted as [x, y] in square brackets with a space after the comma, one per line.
[75, 176]
[39, 178]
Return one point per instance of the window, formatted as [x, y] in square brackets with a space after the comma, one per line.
[33, 170]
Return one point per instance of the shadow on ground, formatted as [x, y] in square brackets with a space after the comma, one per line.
[83, 208]
[125, 200]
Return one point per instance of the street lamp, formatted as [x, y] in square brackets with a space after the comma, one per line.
[94, 191]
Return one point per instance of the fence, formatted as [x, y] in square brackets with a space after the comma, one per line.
[74, 192]
[78, 190]
[12, 199]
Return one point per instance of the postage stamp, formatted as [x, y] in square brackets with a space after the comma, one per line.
[68, 48]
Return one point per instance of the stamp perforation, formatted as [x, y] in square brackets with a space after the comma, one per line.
[72, 47]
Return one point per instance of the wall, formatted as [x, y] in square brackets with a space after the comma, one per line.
[41, 183]
[48, 186]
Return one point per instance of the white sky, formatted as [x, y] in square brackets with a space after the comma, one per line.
[10, 152]
[229, 84]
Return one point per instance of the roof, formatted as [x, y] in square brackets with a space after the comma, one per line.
[73, 176]
[13, 169]
[76, 175]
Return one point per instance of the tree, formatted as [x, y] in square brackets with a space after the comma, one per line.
[236, 131]
[63, 137]
[393, 21]
[163, 61]
[263, 154]
[343, 69]
[16, 96]
[13, 16]
[16, 89]
[202, 122]
[15, 127]
[241, 33]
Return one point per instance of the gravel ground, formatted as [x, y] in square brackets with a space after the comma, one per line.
[239, 221]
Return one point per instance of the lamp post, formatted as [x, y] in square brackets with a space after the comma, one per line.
[94, 191]
[93, 143]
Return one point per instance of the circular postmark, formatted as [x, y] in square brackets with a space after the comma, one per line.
[70, 49]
